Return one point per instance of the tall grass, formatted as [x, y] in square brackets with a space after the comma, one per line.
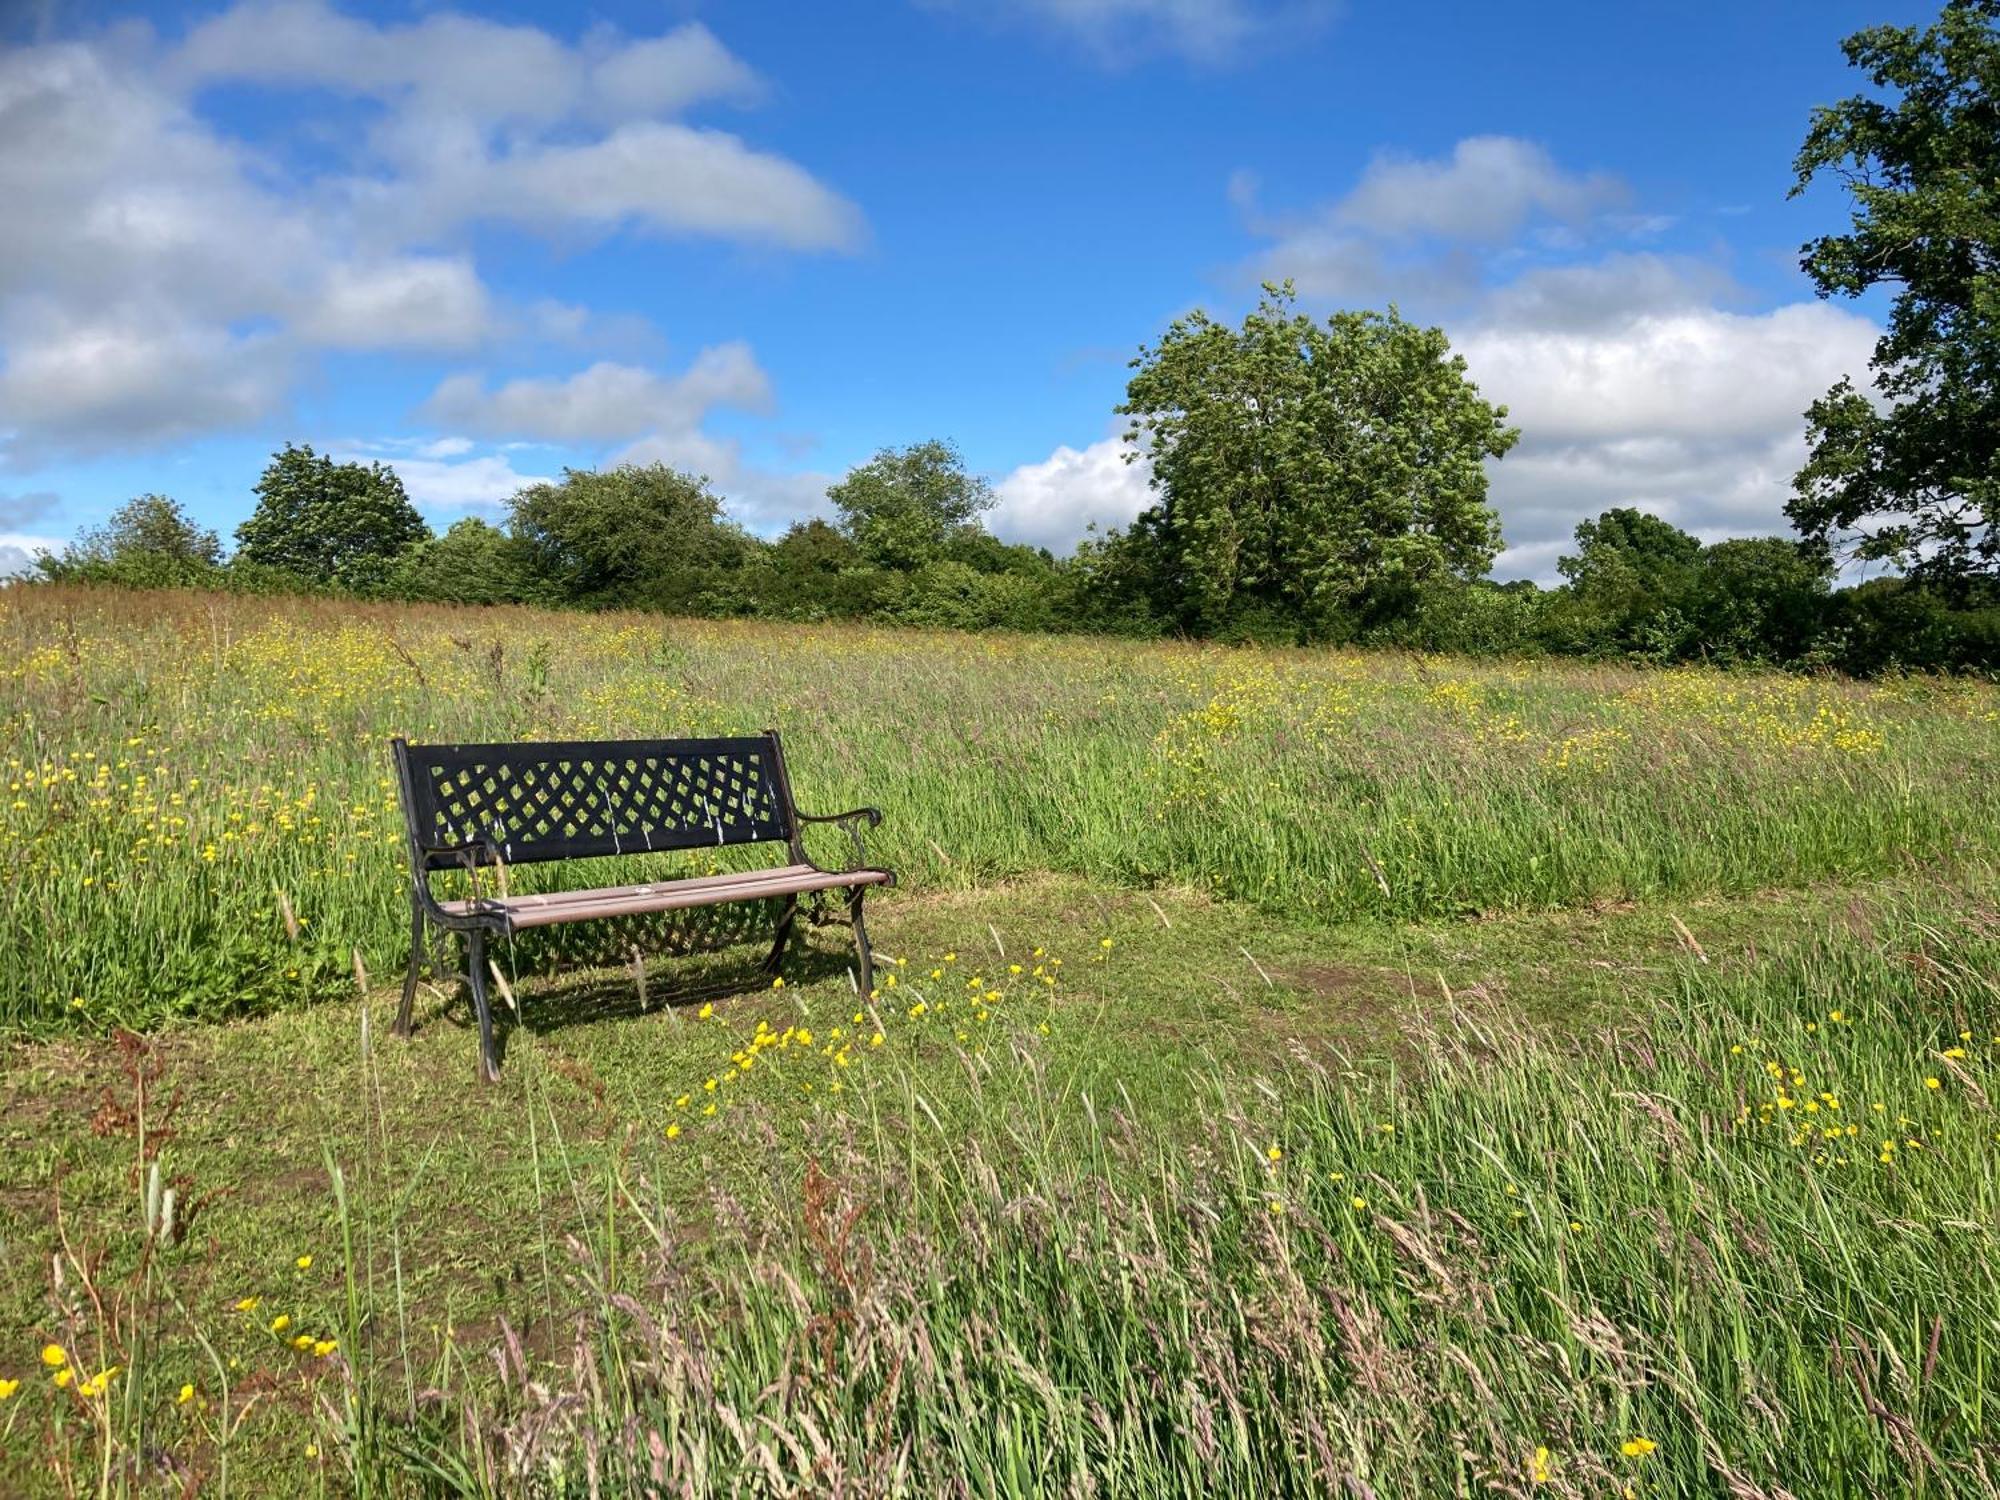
[180, 768]
[1744, 1246]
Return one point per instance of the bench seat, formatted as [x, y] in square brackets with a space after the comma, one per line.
[555, 907]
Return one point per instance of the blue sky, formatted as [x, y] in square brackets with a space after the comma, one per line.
[760, 241]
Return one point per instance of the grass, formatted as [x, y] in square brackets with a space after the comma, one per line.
[1547, 1185]
[177, 763]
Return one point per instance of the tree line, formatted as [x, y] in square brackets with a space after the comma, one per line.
[1314, 480]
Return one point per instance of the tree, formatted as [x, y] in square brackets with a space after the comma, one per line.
[472, 563]
[905, 504]
[329, 523]
[1630, 563]
[148, 542]
[1308, 474]
[1760, 599]
[1629, 585]
[639, 535]
[1915, 478]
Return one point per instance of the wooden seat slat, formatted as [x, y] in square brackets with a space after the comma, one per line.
[556, 907]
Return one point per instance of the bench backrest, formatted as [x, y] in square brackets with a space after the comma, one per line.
[581, 799]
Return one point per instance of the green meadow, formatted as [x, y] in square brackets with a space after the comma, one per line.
[1299, 1072]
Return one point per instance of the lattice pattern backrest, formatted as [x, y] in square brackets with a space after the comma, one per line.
[577, 800]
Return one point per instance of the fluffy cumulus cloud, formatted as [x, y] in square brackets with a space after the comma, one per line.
[1423, 229]
[1485, 191]
[162, 278]
[1055, 502]
[427, 302]
[607, 402]
[1631, 387]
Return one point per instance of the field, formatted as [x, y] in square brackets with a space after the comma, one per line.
[1299, 1072]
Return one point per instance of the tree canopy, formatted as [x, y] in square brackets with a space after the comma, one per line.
[148, 542]
[904, 505]
[1915, 477]
[637, 535]
[1309, 474]
[324, 522]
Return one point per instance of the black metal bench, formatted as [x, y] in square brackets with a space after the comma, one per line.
[485, 807]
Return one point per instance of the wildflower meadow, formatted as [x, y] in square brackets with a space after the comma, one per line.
[1294, 1072]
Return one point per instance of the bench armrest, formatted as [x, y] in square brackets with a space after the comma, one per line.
[480, 849]
[850, 823]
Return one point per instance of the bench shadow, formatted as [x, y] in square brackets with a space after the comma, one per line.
[627, 967]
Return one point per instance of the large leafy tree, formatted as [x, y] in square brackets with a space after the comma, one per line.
[1309, 474]
[641, 534]
[1630, 563]
[1915, 476]
[474, 562]
[325, 522]
[149, 541]
[905, 505]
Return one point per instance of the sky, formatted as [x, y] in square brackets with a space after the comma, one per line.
[762, 241]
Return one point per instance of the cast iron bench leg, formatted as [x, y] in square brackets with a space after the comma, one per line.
[402, 1026]
[866, 958]
[784, 934]
[489, 1065]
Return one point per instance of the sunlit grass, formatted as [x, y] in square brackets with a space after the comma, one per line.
[1113, 1203]
[177, 764]
[1741, 1241]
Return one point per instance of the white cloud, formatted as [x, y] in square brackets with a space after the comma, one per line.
[1485, 191]
[460, 484]
[1054, 502]
[1608, 292]
[412, 302]
[662, 176]
[1685, 410]
[490, 121]
[162, 278]
[1636, 377]
[668, 74]
[1416, 228]
[606, 402]
[128, 378]
[463, 67]
[1699, 374]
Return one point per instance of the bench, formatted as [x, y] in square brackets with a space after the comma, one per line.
[482, 808]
